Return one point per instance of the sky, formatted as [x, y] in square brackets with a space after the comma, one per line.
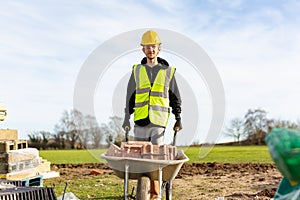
[44, 44]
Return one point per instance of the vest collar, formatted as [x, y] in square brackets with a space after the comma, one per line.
[158, 65]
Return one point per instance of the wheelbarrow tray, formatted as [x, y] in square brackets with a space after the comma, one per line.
[138, 167]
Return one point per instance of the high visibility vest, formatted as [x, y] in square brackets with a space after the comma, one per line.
[152, 101]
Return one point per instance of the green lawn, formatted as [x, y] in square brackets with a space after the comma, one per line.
[225, 154]
[72, 156]
[229, 154]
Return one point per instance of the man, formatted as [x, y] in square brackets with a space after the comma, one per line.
[151, 91]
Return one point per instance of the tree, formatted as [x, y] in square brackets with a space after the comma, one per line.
[115, 125]
[109, 139]
[235, 129]
[76, 127]
[74, 130]
[35, 140]
[78, 131]
[60, 136]
[257, 125]
[45, 138]
[286, 124]
[71, 126]
[114, 131]
[93, 132]
[39, 139]
[55, 142]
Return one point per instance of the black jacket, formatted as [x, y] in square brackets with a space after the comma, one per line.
[174, 95]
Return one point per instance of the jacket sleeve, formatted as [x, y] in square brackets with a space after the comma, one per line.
[174, 97]
[130, 96]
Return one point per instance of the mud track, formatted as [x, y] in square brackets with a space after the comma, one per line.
[206, 180]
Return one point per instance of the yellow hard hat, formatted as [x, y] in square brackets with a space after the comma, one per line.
[150, 37]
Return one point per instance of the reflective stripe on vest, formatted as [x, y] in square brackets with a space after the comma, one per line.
[152, 101]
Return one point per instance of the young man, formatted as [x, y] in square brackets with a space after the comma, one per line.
[151, 91]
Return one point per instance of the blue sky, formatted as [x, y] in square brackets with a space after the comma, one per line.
[43, 44]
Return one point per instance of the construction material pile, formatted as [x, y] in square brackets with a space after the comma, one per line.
[144, 150]
[18, 162]
[21, 168]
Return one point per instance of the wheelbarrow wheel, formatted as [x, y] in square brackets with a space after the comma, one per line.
[143, 188]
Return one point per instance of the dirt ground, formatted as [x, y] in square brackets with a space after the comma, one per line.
[205, 180]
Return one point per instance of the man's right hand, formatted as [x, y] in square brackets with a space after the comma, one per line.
[178, 124]
[126, 123]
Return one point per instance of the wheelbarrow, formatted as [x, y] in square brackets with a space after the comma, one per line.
[145, 170]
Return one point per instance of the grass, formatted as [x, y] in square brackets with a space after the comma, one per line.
[89, 187]
[224, 154]
[229, 154]
[72, 156]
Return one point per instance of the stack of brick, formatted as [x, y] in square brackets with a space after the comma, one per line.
[144, 150]
[17, 161]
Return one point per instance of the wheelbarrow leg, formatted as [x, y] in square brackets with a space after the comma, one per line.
[169, 190]
[160, 182]
[126, 181]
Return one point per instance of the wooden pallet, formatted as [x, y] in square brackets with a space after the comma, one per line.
[45, 166]
[27, 182]
[20, 175]
[32, 181]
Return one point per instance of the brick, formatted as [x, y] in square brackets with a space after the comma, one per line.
[96, 172]
[8, 145]
[145, 150]
[133, 148]
[113, 150]
[8, 134]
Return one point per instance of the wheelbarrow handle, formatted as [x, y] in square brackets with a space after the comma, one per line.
[174, 138]
[126, 133]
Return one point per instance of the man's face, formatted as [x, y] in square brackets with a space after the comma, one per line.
[151, 51]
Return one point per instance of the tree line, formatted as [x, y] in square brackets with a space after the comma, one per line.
[77, 131]
[254, 126]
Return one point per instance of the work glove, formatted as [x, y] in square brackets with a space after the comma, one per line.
[126, 123]
[178, 125]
